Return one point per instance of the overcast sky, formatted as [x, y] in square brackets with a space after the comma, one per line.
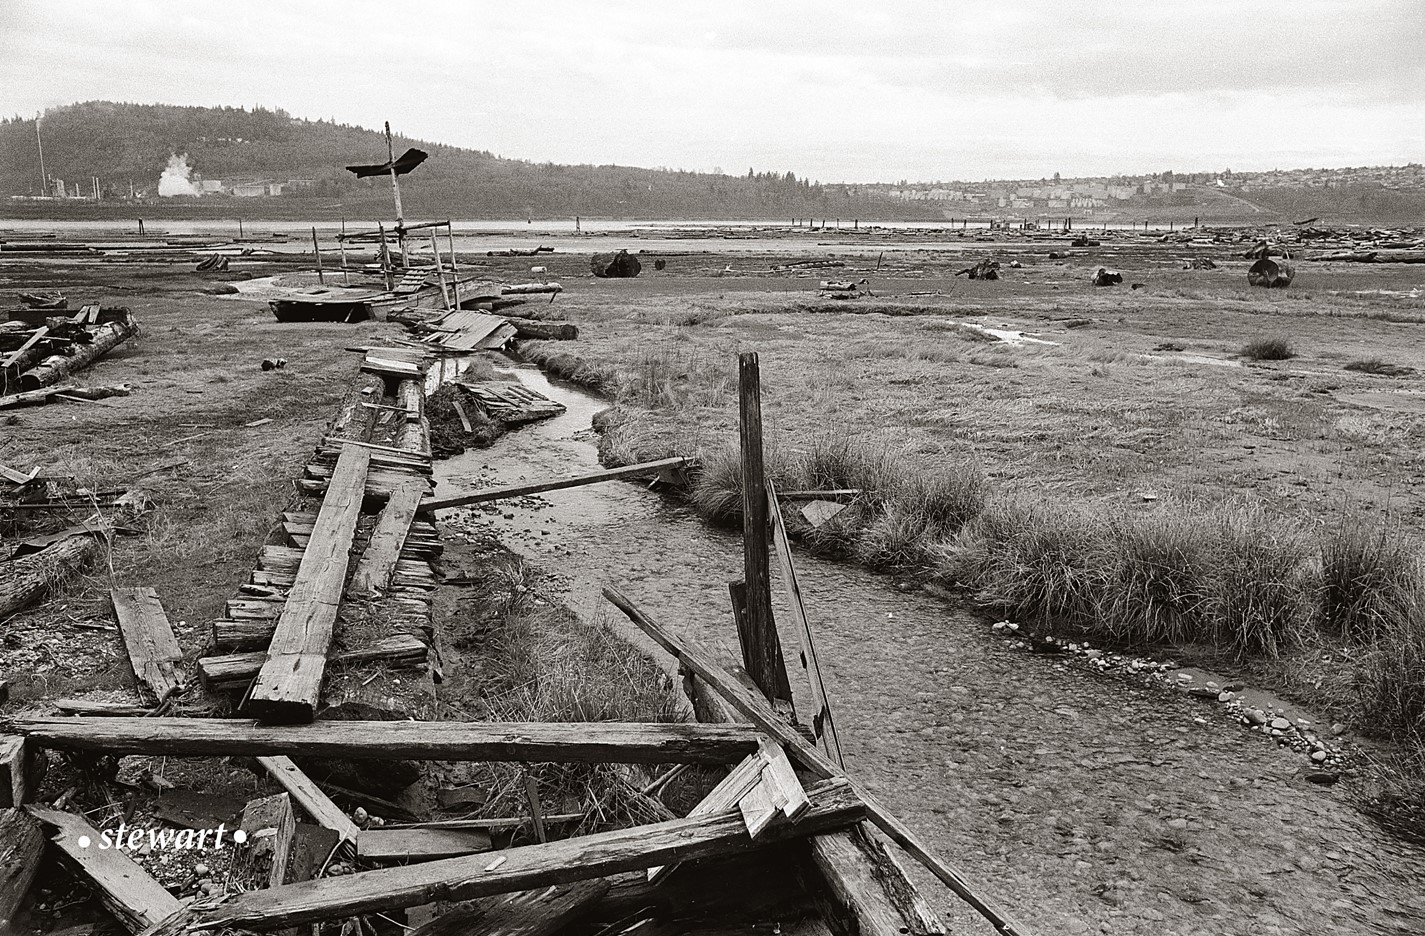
[836, 91]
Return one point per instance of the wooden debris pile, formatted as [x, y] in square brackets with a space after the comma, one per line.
[40, 352]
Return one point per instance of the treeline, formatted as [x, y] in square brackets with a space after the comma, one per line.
[125, 144]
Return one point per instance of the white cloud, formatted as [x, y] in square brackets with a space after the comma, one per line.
[835, 91]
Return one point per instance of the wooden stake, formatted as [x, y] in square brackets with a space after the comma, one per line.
[318, 251]
[439, 271]
[454, 267]
[761, 651]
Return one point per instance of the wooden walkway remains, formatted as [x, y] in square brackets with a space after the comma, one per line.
[785, 833]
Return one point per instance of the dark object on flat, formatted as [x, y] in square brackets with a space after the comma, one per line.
[44, 300]
[660, 263]
[215, 263]
[1083, 241]
[407, 161]
[273, 363]
[1273, 274]
[1107, 277]
[984, 270]
[620, 265]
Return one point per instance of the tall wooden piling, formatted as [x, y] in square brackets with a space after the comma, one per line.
[757, 631]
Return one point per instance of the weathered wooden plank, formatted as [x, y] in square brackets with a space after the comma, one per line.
[22, 767]
[154, 653]
[310, 797]
[289, 683]
[542, 912]
[539, 487]
[822, 726]
[778, 775]
[270, 826]
[237, 670]
[378, 562]
[419, 844]
[721, 798]
[524, 868]
[21, 845]
[761, 714]
[137, 900]
[867, 889]
[34, 339]
[538, 742]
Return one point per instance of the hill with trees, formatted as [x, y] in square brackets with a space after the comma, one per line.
[129, 144]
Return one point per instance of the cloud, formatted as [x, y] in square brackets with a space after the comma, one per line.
[834, 91]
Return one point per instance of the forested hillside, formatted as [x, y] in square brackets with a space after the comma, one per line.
[131, 143]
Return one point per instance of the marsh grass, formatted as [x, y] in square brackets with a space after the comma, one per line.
[529, 659]
[1379, 368]
[1369, 579]
[1268, 349]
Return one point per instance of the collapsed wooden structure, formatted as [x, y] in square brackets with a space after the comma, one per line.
[785, 831]
[41, 348]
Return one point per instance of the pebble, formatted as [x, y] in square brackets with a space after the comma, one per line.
[1280, 724]
[1177, 823]
[201, 870]
[1256, 716]
[1318, 756]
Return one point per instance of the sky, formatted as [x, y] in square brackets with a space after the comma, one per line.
[834, 91]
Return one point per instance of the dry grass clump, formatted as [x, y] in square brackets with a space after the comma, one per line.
[532, 660]
[548, 356]
[1369, 577]
[1229, 578]
[1268, 349]
[669, 377]
[1390, 676]
[1380, 368]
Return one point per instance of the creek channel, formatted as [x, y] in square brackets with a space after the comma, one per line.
[1075, 800]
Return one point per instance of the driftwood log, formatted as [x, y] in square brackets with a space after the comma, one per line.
[56, 367]
[549, 331]
[1272, 274]
[28, 578]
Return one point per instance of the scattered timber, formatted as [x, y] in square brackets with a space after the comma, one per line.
[705, 668]
[520, 490]
[539, 742]
[28, 578]
[55, 368]
[526, 867]
[270, 826]
[547, 331]
[542, 912]
[136, 900]
[287, 687]
[154, 653]
[383, 845]
[310, 797]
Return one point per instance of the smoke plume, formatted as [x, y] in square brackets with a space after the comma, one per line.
[174, 180]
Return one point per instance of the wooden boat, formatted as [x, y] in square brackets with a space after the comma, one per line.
[418, 289]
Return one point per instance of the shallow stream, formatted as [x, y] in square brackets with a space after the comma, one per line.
[1077, 801]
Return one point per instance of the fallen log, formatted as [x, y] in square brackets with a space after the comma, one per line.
[53, 369]
[705, 668]
[28, 578]
[1271, 274]
[42, 395]
[621, 264]
[539, 487]
[548, 331]
[538, 742]
[581, 858]
[530, 289]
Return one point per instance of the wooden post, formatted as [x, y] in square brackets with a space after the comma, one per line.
[318, 251]
[396, 189]
[385, 255]
[761, 651]
[341, 242]
[439, 270]
[454, 267]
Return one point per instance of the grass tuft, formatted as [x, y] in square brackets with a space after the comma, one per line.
[1380, 368]
[1268, 349]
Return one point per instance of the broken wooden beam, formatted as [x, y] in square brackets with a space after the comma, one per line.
[154, 653]
[866, 889]
[270, 826]
[378, 561]
[310, 797]
[539, 487]
[526, 867]
[22, 767]
[22, 844]
[137, 900]
[720, 799]
[236, 671]
[383, 845]
[541, 912]
[289, 684]
[537, 742]
[761, 714]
